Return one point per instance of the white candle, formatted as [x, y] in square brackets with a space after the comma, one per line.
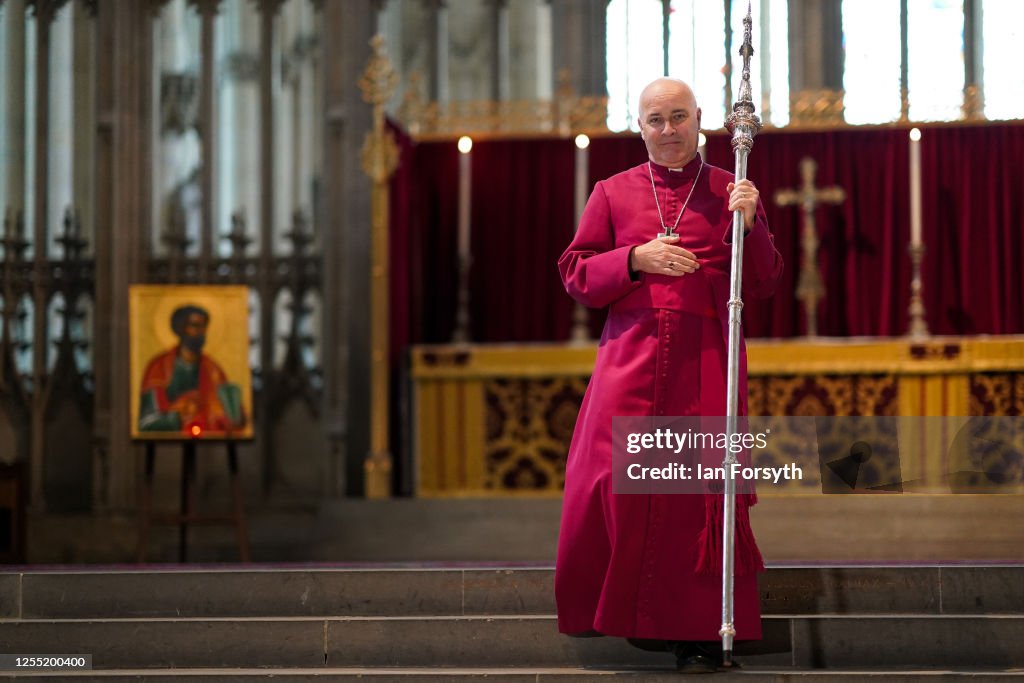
[465, 187]
[582, 162]
[915, 187]
[702, 142]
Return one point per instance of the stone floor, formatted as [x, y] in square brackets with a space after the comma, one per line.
[807, 529]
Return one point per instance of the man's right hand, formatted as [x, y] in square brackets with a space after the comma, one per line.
[662, 257]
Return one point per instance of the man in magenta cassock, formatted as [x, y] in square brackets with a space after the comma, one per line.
[647, 567]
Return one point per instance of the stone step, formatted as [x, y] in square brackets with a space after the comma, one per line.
[804, 528]
[801, 642]
[509, 675]
[475, 590]
[427, 674]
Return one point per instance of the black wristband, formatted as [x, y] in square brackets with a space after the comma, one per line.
[634, 275]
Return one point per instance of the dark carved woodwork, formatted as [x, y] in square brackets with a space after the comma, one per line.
[70, 277]
[73, 280]
[299, 377]
[15, 386]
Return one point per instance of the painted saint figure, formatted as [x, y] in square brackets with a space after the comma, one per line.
[184, 390]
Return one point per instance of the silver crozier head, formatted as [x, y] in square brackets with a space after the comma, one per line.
[742, 122]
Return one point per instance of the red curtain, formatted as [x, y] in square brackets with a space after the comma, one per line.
[522, 220]
[862, 253]
[523, 214]
[422, 242]
[973, 219]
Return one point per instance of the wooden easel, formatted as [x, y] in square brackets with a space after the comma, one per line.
[188, 515]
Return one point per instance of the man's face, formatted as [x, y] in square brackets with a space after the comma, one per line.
[194, 332]
[669, 123]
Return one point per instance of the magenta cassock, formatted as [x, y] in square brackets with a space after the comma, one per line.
[648, 566]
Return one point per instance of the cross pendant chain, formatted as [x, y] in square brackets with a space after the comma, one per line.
[666, 231]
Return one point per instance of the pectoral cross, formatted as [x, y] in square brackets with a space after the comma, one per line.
[810, 289]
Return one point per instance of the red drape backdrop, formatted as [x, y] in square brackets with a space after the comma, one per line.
[523, 214]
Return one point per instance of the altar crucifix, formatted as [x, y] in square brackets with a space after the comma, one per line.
[810, 289]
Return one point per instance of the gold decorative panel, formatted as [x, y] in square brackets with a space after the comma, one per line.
[822, 395]
[497, 420]
[994, 393]
[565, 114]
[817, 108]
[528, 429]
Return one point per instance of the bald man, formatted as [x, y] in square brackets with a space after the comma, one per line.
[648, 567]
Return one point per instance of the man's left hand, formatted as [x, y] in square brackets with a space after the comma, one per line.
[743, 197]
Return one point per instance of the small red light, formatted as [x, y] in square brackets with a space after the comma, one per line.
[196, 430]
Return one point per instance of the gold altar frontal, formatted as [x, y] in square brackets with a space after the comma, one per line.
[496, 420]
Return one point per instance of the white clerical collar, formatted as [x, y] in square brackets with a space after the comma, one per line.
[677, 170]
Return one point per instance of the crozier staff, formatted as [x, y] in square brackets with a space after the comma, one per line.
[654, 245]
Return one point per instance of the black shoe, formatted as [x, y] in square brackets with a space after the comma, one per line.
[696, 664]
[694, 658]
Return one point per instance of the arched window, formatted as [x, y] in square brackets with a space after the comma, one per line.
[1002, 34]
[935, 59]
[937, 42]
[637, 54]
[634, 54]
[871, 40]
[177, 146]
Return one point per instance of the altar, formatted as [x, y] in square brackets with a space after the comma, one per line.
[496, 420]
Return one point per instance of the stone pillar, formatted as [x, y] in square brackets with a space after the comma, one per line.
[123, 182]
[904, 63]
[315, 138]
[299, 88]
[346, 238]
[974, 62]
[543, 69]
[501, 62]
[268, 10]
[207, 132]
[284, 150]
[14, 44]
[295, 93]
[44, 12]
[437, 53]
[764, 17]
[60, 142]
[83, 98]
[580, 46]
[529, 33]
[237, 128]
[816, 61]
